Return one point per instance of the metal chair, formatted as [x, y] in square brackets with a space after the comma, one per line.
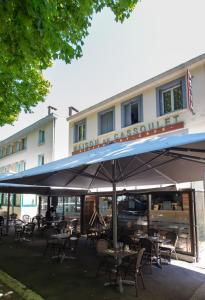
[2, 226]
[18, 229]
[106, 263]
[28, 231]
[133, 270]
[153, 232]
[169, 248]
[26, 218]
[61, 226]
[150, 254]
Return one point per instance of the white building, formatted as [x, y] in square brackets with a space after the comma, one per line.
[159, 106]
[37, 144]
[156, 106]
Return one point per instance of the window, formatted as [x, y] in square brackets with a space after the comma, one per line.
[171, 97]
[17, 200]
[106, 121]
[24, 143]
[20, 166]
[41, 137]
[17, 146]
[132, 112]
[40, 159]
[8, 150]
[80, 131]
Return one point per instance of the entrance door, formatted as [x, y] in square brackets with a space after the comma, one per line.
[90, 208]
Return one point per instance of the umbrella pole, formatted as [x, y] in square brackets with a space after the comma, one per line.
[39, 210]
[8, 213]
[114, 205]
[63, 213]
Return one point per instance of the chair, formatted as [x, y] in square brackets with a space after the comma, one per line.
[61, 226]
[53, 245]
[18, 229]
[13, 218]
[28, 231]
[2, 226]
[74, 226]
[169, 248]
[106, 263]
[37, 219]
[26, 218]
[150, 254]
[153, 232]
[133, 270]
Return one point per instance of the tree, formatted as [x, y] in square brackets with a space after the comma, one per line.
[33, 33]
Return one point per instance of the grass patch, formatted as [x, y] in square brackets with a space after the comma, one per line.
[18, 287]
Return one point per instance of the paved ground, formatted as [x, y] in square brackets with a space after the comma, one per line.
[75, 279]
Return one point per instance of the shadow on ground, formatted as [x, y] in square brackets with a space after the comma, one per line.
[75, 279]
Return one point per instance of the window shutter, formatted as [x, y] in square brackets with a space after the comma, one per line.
[127, 112]
[184, 96]
[110, 121]
[159, 102]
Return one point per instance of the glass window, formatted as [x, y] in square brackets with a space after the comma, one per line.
[171, 97]
[41, 137]
[106, 121]
[80, 131]
[132, 112]
[40, 159]
[24, 143]
[71, 207]
[170, 212]
[17, 146]
[17, 200]
[177, 97]
[20, 166]
[1, 199]
[132, 212]
[28, 200]
[167, 103]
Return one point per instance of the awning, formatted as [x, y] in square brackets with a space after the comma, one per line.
[40, 190]
[158, 160]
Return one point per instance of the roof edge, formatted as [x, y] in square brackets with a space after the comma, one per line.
[28, 129]
[143, 84]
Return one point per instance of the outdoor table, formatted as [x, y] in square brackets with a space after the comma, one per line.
[118, 255]
[64, 236]
[157, 241]
[60, 236]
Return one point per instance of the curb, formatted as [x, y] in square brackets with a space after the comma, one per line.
[18, 287]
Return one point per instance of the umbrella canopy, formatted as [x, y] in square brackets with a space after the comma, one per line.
[168, 159]
[159, 160]
[40, 190]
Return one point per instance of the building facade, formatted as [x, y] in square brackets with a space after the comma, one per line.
[170, 103]
[156, 106]
[33, 146]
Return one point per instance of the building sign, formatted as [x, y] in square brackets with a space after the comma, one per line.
[135, 132]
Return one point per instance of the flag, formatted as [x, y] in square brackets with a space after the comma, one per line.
[189, 92]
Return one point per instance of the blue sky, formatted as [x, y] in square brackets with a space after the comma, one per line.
[159, 35]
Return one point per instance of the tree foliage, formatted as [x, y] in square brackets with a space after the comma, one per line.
[33, 33]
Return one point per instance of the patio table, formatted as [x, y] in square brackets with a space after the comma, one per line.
[63, 237]
[157, 241]
[118, 255]
[60, 236]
